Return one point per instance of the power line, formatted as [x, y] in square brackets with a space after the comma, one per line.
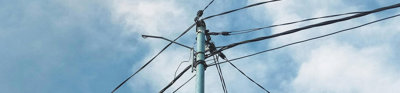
[221, 77]
[190, 56]
[199, 14]
[230, 11]
[246, 76]
[236, 32]
[348, 29]
[157, 54]
[184, 83]
[211, 48]
[262, 38]
[148, 62]
[305, 27]
[178, 68]
[175, 79]
[208, 5]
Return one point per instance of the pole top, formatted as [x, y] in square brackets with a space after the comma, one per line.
[200, 23]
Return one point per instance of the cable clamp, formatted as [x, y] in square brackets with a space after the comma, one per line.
[200, 62]
[199, 14]
[198, 53]
[225, 33]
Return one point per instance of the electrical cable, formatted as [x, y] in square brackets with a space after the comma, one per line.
[175, 79]
[187, 68]
[184, 83]
[221, 77]
[178, 68]
[348, 29]
[148, 62]
[190, 56]
[236, 32]
[230, 11]
[208, 5]
[305, 27]
[246, 76]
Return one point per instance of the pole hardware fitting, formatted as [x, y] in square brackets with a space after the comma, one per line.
[219, 33]
[208, 38]
[199, 14]
[193, 64]
[200, 62]
[198, 53]
[201, 23]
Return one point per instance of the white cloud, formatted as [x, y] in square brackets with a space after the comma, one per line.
[358, 61]
[326, 65]
[150, 17]
[168, 18]
[341, 68]
[160, 18]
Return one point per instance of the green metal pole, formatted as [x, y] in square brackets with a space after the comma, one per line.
[200, 30]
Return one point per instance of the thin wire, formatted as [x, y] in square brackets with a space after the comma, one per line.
[221, 77]
[148, 62]
[304, 28]
[247, 76]
[230, 11]
[157, 55]
[175, 79]
[158, 37]
[184, 83]
[178, 68]
[190, 56]
[236, 32]
[344, 30]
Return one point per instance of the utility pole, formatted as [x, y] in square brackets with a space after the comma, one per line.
[200, 53]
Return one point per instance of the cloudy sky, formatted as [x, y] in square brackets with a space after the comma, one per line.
[90, 46]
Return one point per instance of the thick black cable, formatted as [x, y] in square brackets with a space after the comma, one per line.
[158, 54]
[200, 12]
[246, 75]
[348, 29]
[230, 11]
[175, 79]
[221, 77]
[208, 5]
[184, 83]
[305, 27]
[148, 62]
[236, 32]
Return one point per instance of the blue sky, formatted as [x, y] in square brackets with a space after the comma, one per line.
[90, 46]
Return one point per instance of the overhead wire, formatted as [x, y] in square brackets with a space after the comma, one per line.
[208, 5]
[190, 57]
[298, 42]
[304, 28]
[236, 32]
[260, 38]
[246, 75]
[184, 83]
[221, 77]
[178, 67]
[148, 62]
[187, 68]
[230, 11]
[175, 79]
